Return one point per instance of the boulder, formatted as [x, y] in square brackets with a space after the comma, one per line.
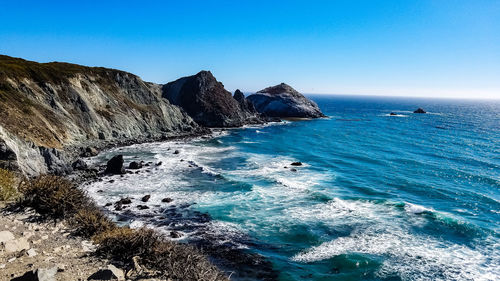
[106, 274]
[167, 200]
[16, 245]
[285, 102]
[392, 114]
[6, 236]
[176, 152]
[145, 198]
[90, 151]
[79, 165]
[142, 207]
[296, 164]
[115, 165]
[419, 110]
[134, 165]
[206, 101]
[174, 234]
[41, 274]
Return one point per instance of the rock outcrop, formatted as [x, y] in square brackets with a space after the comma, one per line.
[207, 102]
[419, 110]
[285, 102]
[48, 110]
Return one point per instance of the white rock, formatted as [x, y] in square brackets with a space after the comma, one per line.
[12, 259]
[31, 252]
[6, 236]
[117, 272]
[17, 245]
[48, 274]
[2, 266]
[45, 237]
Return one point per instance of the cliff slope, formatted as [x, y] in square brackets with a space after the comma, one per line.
[48, 108]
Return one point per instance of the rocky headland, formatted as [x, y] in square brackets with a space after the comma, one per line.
[285, 102]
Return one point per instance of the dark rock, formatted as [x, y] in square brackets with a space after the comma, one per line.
[284, 101]
[101, 136]
[55, 161]
[8, 158]
[244, 103]
[167, 200]
[111, 181]
[176, 152]
[134, 165]
[79, 165]
[103, 274]
[392, 114]
[145, 198]
[115, 165]
[108, 204]
[293, 170]
[175, 234]
[124, 201]
[159, 163]
[142, 207]
[100, 191]
[40, 274]
[206, 101]
[296, 164]
[90, 151]
[419, 110]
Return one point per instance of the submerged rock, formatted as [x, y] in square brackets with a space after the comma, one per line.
[134, 165]
[115, 165]
[284, 101]
[419, 110]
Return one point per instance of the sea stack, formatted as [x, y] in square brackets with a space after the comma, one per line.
[285, 102]
[419, 110]
[207, 102]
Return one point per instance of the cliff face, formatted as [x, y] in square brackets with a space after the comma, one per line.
[207, 102]
[47, 109]
[284, 101]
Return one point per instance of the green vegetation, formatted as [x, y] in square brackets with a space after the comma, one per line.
[57, 198]
[8, 185]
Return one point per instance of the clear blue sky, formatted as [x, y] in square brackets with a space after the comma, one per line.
[415, 47]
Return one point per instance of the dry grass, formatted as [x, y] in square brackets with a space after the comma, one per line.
[8, 185]
[57, 198]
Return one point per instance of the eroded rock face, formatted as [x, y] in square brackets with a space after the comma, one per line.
[284, 101]
[206, 101]
[47, 106]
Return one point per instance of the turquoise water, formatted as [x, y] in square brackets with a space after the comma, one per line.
[378, 197]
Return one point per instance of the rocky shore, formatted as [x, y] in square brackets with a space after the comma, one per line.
[53, 115]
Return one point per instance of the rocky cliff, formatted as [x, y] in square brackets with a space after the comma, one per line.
[208, 103]
[284, 101]
[48, 110]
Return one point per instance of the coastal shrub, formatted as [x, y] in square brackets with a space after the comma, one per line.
[90, 221]
[168, 259]
[8, 189]
[53, 196]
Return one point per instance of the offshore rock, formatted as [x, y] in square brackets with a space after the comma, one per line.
[115, 165]
[419, 110]
[285, 102]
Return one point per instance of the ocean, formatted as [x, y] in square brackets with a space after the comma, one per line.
[377, 197]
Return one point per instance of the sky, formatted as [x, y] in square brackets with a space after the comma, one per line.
[436, 48]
